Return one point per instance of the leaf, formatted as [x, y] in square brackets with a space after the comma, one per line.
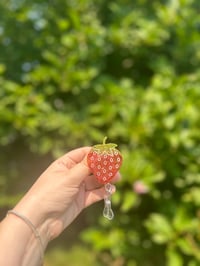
[183, 221]
[129, 201]
[160, 228]
[174, 258]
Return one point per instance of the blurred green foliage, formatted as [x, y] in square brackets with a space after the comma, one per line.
[75, 256]
[74, 71]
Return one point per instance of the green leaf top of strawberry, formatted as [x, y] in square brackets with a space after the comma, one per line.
[104, 160]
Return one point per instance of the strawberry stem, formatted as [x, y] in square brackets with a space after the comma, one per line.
[104, 140]
[104, 146]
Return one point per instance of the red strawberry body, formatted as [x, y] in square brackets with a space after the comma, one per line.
[104, 160]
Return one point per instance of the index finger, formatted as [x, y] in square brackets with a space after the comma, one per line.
[75, 156]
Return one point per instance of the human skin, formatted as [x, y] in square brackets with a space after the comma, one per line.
[62, 191]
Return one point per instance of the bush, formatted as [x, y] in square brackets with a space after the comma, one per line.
[77, 71]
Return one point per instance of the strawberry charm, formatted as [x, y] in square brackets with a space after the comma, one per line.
[104, 160]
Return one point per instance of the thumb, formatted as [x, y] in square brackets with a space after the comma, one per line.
[78, 173]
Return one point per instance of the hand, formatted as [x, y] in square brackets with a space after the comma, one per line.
[61, 192]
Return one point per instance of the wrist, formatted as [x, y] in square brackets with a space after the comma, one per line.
[38, 228]
[27, 230]
[35, 233]
[31, 208]
[47, 224]
[26, 250]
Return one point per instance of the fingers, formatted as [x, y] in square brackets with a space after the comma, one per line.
[75, 165]
[77, 174]
[96, 195]
[75, 156]
[116, 178]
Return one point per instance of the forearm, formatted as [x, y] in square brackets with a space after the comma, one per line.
[18, 244]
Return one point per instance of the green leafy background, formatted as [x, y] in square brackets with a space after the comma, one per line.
[74, 71]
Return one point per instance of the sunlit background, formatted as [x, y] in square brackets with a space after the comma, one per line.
[72, 72]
